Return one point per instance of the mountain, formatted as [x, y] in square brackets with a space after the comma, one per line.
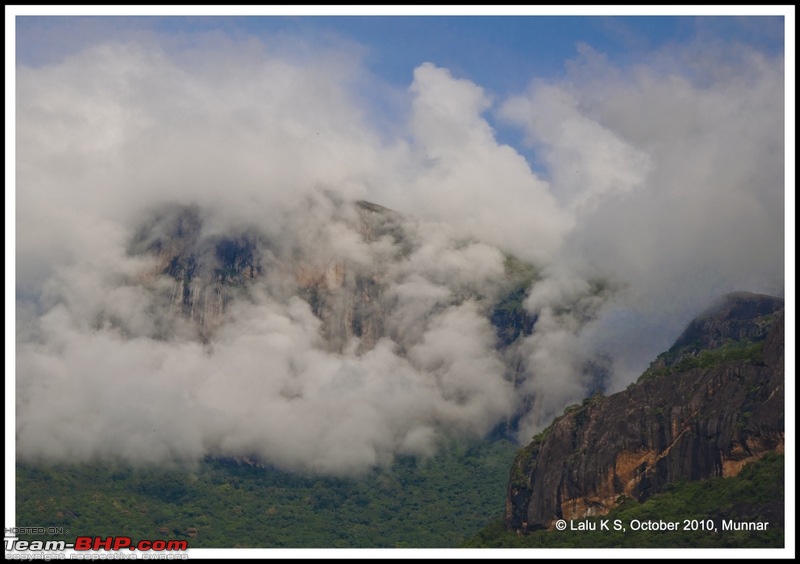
[210, 269]
[205, 271]
[709, 405]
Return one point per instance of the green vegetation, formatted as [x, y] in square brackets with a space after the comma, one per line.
[522, 273]
[756, 494]
[509, 316]
[220, 504]
[732, 351]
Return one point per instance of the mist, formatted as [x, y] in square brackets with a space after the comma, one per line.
[660, 187]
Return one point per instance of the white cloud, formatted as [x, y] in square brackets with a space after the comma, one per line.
[668, 189]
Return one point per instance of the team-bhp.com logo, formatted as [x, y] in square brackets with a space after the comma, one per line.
[97, 543]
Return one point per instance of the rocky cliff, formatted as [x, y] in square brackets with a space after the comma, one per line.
[348, 297]
[202, 271]
[205, 271]
[705, 408]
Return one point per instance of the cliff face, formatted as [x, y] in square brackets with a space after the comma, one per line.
[738, 317]
[202, 272]
[705, 408]
[205, 272]
[348, 298]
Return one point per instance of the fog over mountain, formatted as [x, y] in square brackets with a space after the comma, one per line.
[659, 187]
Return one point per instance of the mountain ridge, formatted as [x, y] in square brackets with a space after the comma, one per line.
[691, 424]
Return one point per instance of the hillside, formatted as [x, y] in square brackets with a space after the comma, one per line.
[707, 407]
[700, 509]
[219, 503]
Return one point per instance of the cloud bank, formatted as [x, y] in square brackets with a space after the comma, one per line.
[662, 188]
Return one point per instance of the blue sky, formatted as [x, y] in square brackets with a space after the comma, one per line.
[501, 53]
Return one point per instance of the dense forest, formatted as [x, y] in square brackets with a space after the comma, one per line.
[438, 502]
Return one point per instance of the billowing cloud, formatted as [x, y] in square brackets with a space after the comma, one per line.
[467, 178]
[672, 176]
[589, 162]
[662, 189]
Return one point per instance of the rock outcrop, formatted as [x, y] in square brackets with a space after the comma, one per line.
[205, 271]
[705, 408]
[348, 297]
[202, 271]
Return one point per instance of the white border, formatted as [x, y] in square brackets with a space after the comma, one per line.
[788, 12]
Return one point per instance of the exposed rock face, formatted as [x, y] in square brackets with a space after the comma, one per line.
[697, 413]
[738, 316]
[347, 297]
[205, 272]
